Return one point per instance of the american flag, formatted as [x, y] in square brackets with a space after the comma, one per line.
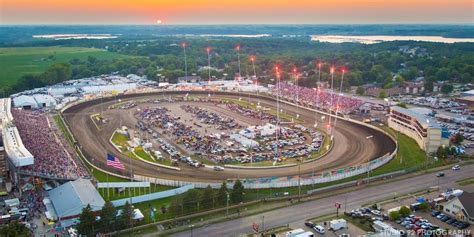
[114, 162]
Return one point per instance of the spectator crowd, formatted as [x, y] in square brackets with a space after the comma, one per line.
[51, 158]
[317, 98]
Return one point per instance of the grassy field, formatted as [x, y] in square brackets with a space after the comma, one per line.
[144, 155]
[465, 182]
[120, 140]
[17, 62]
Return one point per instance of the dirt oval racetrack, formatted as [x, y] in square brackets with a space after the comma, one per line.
[350, 148]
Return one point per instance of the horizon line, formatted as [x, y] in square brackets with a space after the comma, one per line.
[230, 24]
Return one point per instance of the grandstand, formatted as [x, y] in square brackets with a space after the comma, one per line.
[317, 99]
[13, 145]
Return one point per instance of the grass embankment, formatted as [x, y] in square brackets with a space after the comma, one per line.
[121, 141]
[465, 182]
[17, 62]
[140, 152]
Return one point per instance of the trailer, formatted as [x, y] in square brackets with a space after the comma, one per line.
[338, 224]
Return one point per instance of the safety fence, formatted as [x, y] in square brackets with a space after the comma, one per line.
[282, 182]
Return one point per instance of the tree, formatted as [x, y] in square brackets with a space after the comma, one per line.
[237, 195]
[424, 206]
[446, 89]
[394, 215]
[360, 90]
[191, 201]
[404, 211]
[176, 206]
[382, 94]
[442, 152]
[15, 229]
[222, 194]
[108, 216]
[402, 104]
[207, 197]
[458, 139]
[87, 222]
[126, 218]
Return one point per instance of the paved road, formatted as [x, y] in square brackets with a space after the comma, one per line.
[350, 147]
[295, 215]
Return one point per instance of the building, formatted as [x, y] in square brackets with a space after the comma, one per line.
[189, 79]
[3, 157]
[461, 208]
[468, 100]
[35, 101]
[65, 203]
[427, 133]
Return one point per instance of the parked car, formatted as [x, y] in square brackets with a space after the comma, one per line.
[309, 224]
[319, 229]
[435, 213]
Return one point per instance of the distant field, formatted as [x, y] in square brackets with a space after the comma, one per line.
[16, 62]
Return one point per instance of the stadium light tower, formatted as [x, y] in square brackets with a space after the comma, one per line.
[252, 59]
[318, 91]
[295, 72]
[277, 71]
[208, 50]
[183, 44]
[331, 101]
[343, 71]
[237, 48]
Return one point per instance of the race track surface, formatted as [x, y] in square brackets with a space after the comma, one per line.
[351, 146]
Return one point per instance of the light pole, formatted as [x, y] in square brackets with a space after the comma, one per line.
[208, 50]
[338, 99]
[237, 48]
[191, 227]
[185, 61]
[278, 114]
[368, 161]
[427, 144]
[252, 58]
[318, 91]
[331, 101]
[295, 72]
[227, 204]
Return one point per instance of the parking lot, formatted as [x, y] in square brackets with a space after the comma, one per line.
[427, 220]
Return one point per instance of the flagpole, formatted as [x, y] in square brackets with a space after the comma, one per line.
[108, 196]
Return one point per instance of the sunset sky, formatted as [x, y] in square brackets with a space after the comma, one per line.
[235, 12]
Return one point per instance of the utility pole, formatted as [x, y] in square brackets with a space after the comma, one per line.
[227, 205]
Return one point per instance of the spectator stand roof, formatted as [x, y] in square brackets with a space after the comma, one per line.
[70, 198]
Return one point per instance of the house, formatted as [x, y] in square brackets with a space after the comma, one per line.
[461, 208]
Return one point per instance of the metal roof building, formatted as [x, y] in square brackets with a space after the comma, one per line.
[70, 198]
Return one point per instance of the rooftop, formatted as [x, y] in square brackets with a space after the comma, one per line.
[423, 120]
